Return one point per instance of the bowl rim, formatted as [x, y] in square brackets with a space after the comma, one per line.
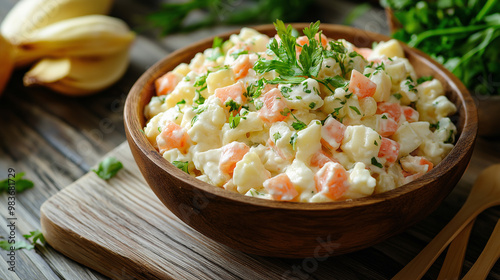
[463, 145]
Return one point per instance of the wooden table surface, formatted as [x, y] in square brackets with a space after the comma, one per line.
[56, 139]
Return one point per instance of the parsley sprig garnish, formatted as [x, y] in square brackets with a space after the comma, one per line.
[293, 69]
[286, 63]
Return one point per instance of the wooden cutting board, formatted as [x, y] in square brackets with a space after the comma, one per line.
[119, 228]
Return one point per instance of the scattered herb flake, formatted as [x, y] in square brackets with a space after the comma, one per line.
[108, 168]
[182, 165]
[293, 140]
[355, 109]
[20, 183]
[376, 163]
[276, 136]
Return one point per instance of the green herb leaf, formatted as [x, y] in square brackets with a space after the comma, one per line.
[217, 42]
[20, 184]
[234, 121]
[276, 136]
[293, 140]
[182, 165]
[424, 79]
[376, 163]
[355, 109]
[108, 168]
[233, 106]
[21, 244]
[36, 235]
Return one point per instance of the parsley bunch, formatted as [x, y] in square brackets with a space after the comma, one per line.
[293, 69]
[286, 63]
[463, 35]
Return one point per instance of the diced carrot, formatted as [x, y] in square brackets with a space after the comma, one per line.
[231, 154]
[331, 180]
[241, 66]
[332, 133]
[387, 126]
[167, 83]
[389, 149]
[281, 188]
[410, 114]
[424, 161]
[361, 85]
[365, 52]
[324, 40]
[273, 109]
[238, 47]
[303, 40]
[413, 165]
[320, 158]
[269, 87]
[172, 136]
[393, 109]
[233, 92]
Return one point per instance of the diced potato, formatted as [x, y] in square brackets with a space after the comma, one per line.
[383, 81]
[250, 173]
[308, 142]
[390, 48]
[358, 143]
[361, 183]
[208, 163]
[219, 79]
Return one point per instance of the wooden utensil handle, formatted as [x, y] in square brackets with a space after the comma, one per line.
[488, 257]
[417, 267]
[452, 266]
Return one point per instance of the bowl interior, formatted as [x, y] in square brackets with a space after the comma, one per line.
[465, 119]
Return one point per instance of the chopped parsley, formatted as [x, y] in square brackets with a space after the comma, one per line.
[234, 121]
[293, 140]
[108, 168]
[450, 139]
[233, 106]
[21, 244]
[355, 109]
[194, 119]
[17, 181]
[312, 105]
[398, 96]
[276, 136]
[434, 125]
[238, 53]
[376, 163]
[258, 104]
[424, 79]
[182, 165]
[298, 124]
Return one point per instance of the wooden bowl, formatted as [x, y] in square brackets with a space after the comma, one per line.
[291, 229]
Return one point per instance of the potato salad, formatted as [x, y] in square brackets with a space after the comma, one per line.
[300, 117]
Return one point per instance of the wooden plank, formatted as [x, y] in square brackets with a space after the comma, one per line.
[119, 227]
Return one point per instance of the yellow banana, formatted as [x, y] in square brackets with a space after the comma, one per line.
[78, 75]
[6, 62]
[93, 35]
[29, 15]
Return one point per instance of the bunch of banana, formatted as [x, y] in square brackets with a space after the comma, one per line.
[79, 50]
